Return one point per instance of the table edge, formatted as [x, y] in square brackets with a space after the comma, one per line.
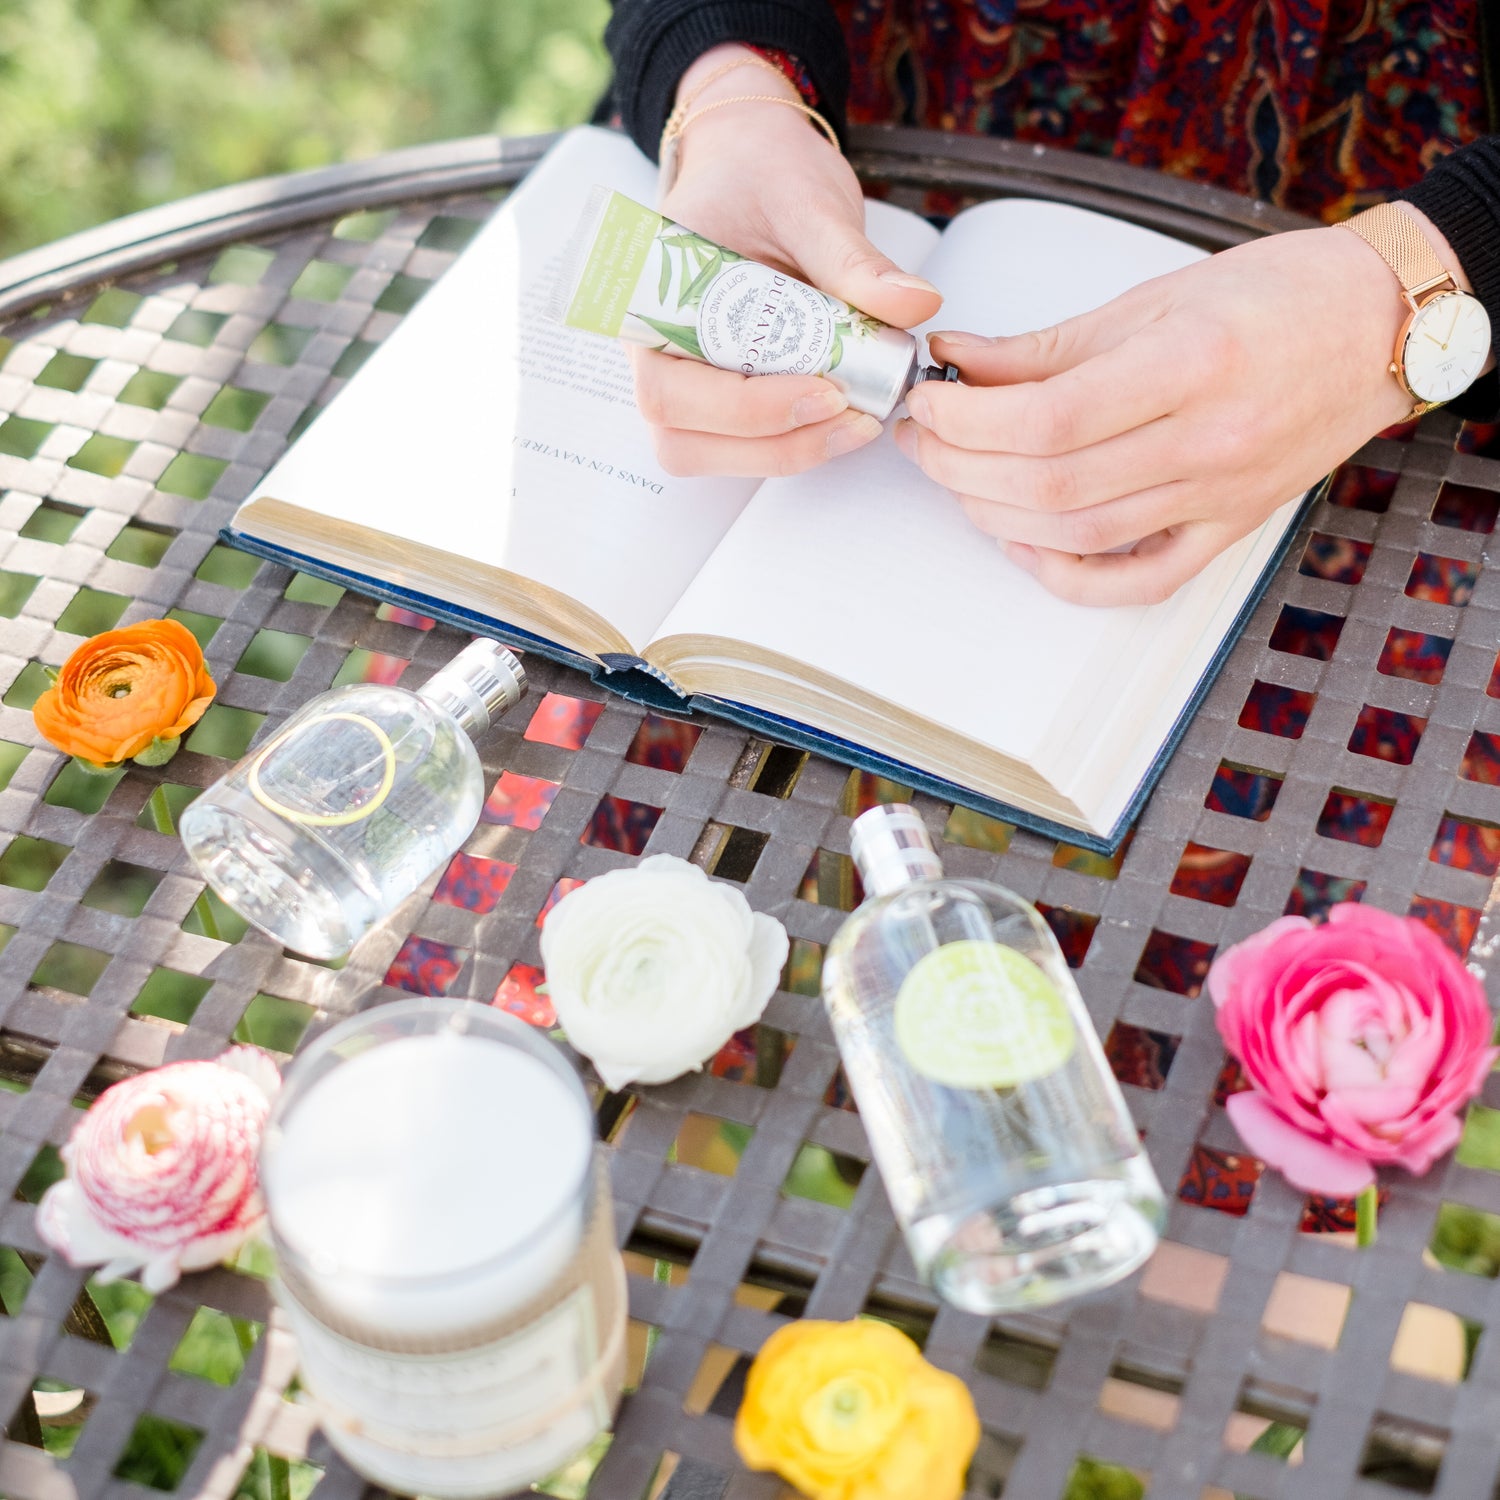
[920, 159]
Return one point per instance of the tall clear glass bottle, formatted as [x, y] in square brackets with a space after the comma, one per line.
[1010, 1158]
[322, 831]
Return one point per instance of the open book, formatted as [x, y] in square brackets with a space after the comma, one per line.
[488, 466]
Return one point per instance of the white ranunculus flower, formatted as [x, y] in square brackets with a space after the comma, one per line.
[653, 968]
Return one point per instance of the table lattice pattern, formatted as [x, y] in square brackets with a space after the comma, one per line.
[1351, 749]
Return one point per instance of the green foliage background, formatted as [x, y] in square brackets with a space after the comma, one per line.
[108, 106]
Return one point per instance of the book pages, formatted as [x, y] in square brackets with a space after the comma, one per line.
[870, 572]
[483, 428]
[904, 236]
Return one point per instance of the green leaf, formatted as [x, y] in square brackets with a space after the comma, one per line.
[664, 286]
[158, 752]
[1092, 1480]
[837, 351]
[693, 294]
[708, 254]
[681, 334]
[1279, 1439]
[96, 768]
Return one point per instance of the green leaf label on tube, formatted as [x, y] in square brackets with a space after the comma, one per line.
[613, 268]
[629, 273]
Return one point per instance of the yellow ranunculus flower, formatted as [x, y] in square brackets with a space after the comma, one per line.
[851, 1411]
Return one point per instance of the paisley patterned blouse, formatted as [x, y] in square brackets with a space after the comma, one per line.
[1315, 105]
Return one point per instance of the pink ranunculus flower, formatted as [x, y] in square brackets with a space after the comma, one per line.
[1362, 1038]
[161, 1170]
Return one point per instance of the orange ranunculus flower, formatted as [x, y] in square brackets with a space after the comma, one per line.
[851, 1411]
[121, 692]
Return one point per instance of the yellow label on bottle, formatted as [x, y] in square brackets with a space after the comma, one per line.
[977, 1015]
[311, 818]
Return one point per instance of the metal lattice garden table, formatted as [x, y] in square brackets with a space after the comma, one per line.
[150, 371]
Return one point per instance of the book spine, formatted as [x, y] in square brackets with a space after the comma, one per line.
[631, 677]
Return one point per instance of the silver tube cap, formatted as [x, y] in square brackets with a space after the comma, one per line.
[877, 369]
[891, 848]
[482, 682]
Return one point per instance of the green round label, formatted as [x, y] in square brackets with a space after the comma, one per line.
[976, 1015]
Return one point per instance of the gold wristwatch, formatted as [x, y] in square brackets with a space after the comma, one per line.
[1445, 341]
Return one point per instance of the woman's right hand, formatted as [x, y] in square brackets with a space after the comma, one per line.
[759, 178]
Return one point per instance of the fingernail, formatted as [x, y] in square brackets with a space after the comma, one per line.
[919, 407]
[964, 340]
[818, 407]
[909, 282]
[1023, 556]
[853, 432]
[906, 437]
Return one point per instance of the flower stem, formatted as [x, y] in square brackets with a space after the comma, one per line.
[1366, 1209]
[161, 815]
[277, 1480]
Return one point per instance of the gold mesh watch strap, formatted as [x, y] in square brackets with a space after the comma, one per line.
[1398, 241]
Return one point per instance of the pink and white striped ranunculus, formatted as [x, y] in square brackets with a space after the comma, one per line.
[161, 1175]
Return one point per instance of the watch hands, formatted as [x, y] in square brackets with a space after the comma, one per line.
[1452, 323]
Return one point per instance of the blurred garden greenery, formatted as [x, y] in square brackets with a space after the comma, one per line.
[108, 106]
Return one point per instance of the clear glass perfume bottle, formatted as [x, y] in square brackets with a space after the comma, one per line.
[1010, 1158]
[322, 831]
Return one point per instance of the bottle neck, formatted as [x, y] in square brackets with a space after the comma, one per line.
[482, 682]
[892, 849]
[459, 701]
[882, 877]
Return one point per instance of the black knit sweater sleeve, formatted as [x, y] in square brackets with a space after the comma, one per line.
[653, 42]
[1461, 195]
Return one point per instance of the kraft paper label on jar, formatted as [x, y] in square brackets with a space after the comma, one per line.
[471, 1401]
[977, 1015]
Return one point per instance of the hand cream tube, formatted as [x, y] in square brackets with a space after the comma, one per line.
[634, 275]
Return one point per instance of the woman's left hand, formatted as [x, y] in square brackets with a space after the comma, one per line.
[1117, 453]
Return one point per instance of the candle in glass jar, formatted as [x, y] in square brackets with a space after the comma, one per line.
[432, 1183]
[445, 1248]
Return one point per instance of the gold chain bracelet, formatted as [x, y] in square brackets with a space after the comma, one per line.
[684, 114]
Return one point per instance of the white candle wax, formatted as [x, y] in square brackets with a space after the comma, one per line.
[432, 1184]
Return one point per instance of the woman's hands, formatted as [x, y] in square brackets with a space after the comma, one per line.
[1114, 455]
[1171, 421]
[762, 180]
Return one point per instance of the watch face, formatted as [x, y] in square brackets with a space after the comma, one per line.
[1447, 343]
